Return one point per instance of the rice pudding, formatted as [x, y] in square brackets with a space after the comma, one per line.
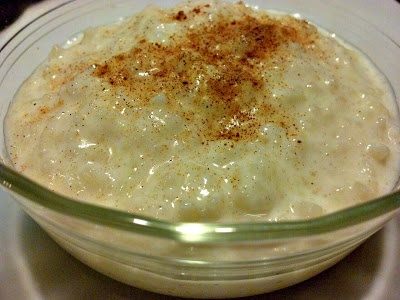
[208, 111]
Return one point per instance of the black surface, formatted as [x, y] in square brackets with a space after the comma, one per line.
[11, 9]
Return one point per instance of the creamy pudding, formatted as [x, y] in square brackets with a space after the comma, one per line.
[208, 111]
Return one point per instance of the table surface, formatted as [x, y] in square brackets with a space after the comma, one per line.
[32, 266]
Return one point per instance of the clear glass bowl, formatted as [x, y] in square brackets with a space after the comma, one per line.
[201, 260]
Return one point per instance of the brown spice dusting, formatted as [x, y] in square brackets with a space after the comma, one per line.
[214, 67]
[46, 109]
[180, 16]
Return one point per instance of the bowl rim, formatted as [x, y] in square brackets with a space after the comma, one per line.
[196, 232]
[20, 185]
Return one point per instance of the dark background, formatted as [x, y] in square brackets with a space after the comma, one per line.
[11, 9]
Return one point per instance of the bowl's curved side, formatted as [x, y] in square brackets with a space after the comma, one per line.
[179, 259]
[187, 269]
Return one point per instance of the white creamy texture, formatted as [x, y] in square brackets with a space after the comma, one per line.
[208, 111]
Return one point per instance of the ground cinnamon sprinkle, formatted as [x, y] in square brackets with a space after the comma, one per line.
[234, 49]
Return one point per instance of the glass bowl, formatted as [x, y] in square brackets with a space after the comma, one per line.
[198, 260]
